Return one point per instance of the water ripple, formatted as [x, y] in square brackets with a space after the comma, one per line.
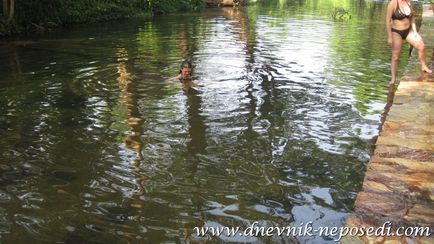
[100, 144]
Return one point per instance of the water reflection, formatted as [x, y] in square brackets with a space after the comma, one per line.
[14, 63]
[196, 125]
[129, 98]
[183, 42]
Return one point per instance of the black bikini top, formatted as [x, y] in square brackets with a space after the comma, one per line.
[399, 15]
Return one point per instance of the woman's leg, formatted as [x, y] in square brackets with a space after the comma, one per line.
[417, 42]
[396, 52]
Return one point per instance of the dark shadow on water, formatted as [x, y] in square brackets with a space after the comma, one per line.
[196, 125]
[389, 103]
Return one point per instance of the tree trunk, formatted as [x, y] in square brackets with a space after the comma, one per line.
[5, 8]
[8, 10]
[11, 10]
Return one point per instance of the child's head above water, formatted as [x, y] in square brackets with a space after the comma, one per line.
[185, 70]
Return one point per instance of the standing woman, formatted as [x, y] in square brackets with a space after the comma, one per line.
[401, 26]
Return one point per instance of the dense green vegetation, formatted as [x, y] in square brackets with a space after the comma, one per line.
[20, 17]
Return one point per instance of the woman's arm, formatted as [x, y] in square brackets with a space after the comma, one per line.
[413, 19]
[413, 24]
[390, 8]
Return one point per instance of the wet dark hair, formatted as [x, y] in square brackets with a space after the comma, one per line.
[185, 64]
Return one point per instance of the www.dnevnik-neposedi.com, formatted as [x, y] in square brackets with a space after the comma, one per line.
[307, 229]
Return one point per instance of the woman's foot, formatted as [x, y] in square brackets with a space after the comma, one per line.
[391, 82]
[426, 69]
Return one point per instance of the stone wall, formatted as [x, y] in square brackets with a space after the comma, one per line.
[399, 181]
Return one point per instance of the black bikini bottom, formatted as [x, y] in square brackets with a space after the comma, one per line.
[402, 33]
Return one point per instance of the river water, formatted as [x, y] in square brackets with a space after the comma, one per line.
[97, 145]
